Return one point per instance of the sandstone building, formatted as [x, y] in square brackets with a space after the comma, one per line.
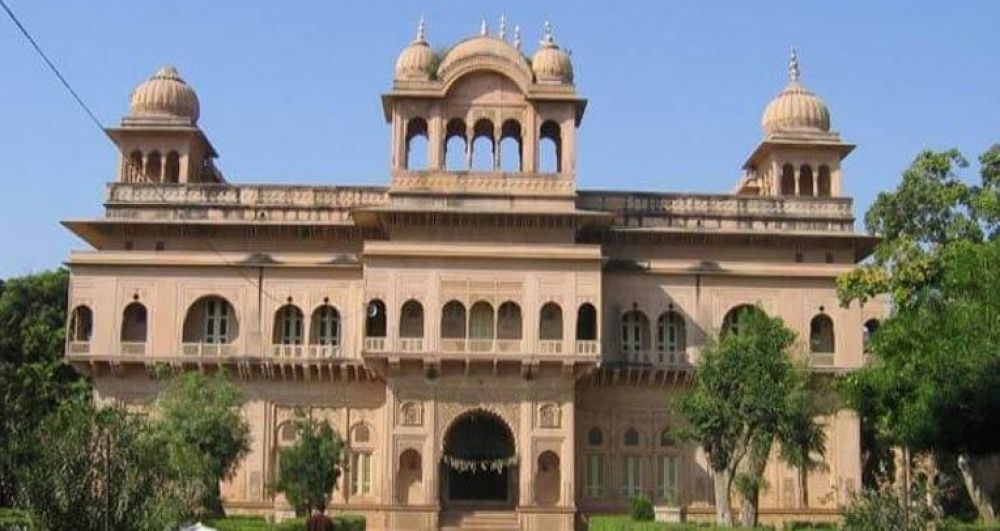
[477, 311]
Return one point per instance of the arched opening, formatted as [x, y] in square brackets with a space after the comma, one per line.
[325, 326]
[360, 469]
[211, 319]
[631, 438]
[172, 171]
[483, 155]
[478, 462]
[549, 148]
[481, 331]
[670, 337]
[586, 322]
[134, 323]
[821, 335]
[823, 182]
[411, 320]
[453, 320]
[787, 180]
[595, 437]
[455, 152]
[635, 336]
[410, 478]
[550, 322]
[511, 147]
[871, 326]
[416, 144]
[732, 319]
[154, 167]
[287, 326]
[133, 172]
[509, 322]
[375, 320]
[806, 181]
[81, 324]
[547, 479]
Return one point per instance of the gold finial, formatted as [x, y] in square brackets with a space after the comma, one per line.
[517, 37]
[422, 30]
[793, 66]
[502, 33]
[483, 30]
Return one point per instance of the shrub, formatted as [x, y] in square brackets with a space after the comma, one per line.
[14, 520]
[642, 508]
[810, 526]
[883, 510]
[349, 522]
[957, 525]
[240, 523]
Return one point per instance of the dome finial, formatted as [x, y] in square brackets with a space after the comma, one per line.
[547, 37]
[517, 37]
[483, 30]
[502, 32]
[793, 66]
[422, 30]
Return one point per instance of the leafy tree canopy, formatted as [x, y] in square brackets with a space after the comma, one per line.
[309, 469]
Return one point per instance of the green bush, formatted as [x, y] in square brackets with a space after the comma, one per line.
[958, 525]
[642, 508]
[810, 526]
[341, 522]
[349, 522]
[626, 523]
[240, 523]
[14, 520]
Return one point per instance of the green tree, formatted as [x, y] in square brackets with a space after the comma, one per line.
[201, 420]
[102, 469]
[309, 469]
[934, 386]
[33, 378]
[741, 389]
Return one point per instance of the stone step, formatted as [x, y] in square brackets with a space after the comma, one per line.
[491, 520]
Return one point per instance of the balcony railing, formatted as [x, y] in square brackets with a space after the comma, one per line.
[133, 348]
[550, 346]
[304, 352]
[208, 350]
[822, 359]
[411, 344]
[374, 344]
[588, 346]
[79, 347]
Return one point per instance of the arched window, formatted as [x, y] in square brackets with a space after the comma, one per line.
[453, 320]
[172, 171]
[670, 337]
[823, 182]
[411, 319]
[154, 166]
[595, 437]
[547, 479]
[509, 321]
[482, 146]
[287, 326]
[375, 321]
[821, 334]
[550, 325]
[362, 434]
[549, 148]
[806, 180]
[871, 326]
[81, 324]
[635, 336]
[134, 323]
[787, 180]
[511, 150]
[454, 146]
[416, 144]
[731, 322]
[666, 438]
[325, 326]
[586, 322]
[409, 477]
[481, 331]
[631, 438]
[133, 172]
[211, 319]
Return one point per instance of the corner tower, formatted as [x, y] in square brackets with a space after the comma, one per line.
[482, 118]
[799, 155]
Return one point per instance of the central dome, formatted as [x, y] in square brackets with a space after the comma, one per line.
[795, 109]
[165, 95]
[482, 47]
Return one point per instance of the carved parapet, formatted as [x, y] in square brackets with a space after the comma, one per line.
[533, 184]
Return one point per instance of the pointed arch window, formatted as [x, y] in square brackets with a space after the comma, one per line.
[670, 337]
[325, 326]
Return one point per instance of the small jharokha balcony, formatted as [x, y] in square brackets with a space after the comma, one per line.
[304, 352]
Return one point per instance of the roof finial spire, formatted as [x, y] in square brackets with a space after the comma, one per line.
[502, 32]
[421, 30]
[517, 37]
[547, 38]
[793, 66]
[483, 30]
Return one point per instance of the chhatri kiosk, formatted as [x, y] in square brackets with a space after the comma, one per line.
[497, 347]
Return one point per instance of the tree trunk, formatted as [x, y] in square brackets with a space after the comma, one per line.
[723, 480]
[803, 487]
[751, 498]
[976, 492]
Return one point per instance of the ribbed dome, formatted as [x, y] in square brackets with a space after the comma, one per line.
[165, 94]
[550, 63]
[795, 108]
[416, 60]
[481, 46]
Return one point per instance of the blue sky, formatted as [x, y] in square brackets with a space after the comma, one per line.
[290, 90]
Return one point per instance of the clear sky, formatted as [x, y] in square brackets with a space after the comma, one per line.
[290, 90]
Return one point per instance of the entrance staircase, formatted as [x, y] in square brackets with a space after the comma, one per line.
[479, 519]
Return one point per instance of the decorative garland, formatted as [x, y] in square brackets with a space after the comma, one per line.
[472, 465]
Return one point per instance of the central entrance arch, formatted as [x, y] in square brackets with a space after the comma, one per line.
[479, 464]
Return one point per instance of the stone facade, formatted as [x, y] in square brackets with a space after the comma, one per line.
[500, 294]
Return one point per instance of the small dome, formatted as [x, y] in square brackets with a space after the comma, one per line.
[795, 108]
[165, 94]
[550, 63]
[417, 59]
